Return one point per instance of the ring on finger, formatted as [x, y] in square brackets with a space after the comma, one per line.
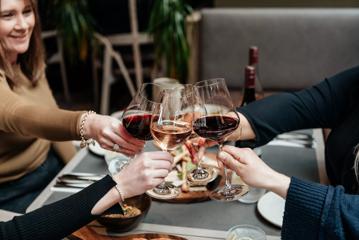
[116, 147]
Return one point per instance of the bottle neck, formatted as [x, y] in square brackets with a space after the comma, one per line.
[253, 56]
[253, 60]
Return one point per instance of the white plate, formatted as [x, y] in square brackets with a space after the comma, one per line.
[271, 207]
[111, 158]
[96, 149]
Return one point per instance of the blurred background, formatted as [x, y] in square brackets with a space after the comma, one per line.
[77, 58]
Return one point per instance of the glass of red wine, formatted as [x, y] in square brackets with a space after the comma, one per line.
[136, 118]
[172, 125]
[216, 119]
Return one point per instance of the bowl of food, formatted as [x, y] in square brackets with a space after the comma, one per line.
[136, 209]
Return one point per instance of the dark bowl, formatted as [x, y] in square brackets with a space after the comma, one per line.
[120, 224]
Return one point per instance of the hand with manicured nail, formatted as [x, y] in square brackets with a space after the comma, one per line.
[252, 170]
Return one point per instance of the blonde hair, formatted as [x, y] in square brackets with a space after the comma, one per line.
[32, 61]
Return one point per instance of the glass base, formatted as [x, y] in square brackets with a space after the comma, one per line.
[174, 192]
[200, 174]
[162, 189]
[229, 193]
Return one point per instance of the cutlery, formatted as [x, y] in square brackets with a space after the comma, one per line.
[295, 136]
[81, 176]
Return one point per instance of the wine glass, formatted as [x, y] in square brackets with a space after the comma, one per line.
[196, 147]
[136, 118]
[171, 125]
[216, 119]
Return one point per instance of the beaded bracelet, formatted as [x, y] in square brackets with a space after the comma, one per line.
[85, 142]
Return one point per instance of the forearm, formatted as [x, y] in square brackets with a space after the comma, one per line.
[111, 198]
[44, 122]
[60, 219]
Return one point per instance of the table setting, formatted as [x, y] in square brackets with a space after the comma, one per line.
[197, 200]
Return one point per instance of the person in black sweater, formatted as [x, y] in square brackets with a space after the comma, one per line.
[312, 211]
[57, 220]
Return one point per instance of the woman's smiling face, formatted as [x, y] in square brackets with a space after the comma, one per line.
[17, 21]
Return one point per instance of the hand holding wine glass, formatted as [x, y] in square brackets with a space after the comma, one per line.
[136, 119]
[216, 119]
[172, 124]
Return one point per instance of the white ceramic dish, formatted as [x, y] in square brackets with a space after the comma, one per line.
[96, 149]
[271, 207]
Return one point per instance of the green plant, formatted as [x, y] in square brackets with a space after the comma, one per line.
[167, 27]
[74, 23]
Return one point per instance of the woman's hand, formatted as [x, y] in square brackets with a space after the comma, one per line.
[144, 172]
[253, 170]
[110, 134]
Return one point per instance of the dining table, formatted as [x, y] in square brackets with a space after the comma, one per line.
[196, 220]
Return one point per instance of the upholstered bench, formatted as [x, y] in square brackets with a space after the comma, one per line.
[297, 47]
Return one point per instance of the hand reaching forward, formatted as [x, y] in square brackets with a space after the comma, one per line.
[144, 172]
[253, 170]
[110, 134]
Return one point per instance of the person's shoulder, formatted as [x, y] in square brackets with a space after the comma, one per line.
[345, 80]
[348, 74]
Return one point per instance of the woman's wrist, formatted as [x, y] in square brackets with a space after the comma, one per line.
[279, 184]
[120, 189]
[90, 118]
[108, 200]
[85, 129]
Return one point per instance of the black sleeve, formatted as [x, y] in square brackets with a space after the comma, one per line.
[60, 219]
[321, 106]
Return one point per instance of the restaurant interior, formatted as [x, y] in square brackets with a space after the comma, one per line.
[99, 55]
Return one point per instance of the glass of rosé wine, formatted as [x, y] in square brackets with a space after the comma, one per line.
[171, 125]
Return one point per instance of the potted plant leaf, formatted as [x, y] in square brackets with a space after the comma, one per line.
[167, 27]
[74, 23]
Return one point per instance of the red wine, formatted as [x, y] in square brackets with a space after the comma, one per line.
[138, 126]
[169, 135]
[215, 127]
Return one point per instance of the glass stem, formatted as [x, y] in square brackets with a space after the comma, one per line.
[227, 174]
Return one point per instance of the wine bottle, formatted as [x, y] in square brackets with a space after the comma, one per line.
[254, 62]
[249, 90]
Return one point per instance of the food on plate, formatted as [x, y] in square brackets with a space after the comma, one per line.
[129, 211]
[196, 148]
[184, 187]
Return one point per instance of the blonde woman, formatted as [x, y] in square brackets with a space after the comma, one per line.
[312, 211]
[32, 128]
